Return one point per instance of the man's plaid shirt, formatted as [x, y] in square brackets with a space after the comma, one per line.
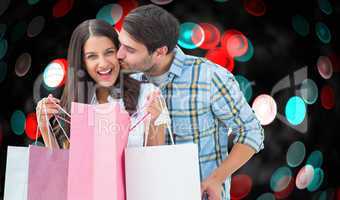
[204, 102]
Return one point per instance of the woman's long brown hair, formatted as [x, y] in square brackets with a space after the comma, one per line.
[79, 86]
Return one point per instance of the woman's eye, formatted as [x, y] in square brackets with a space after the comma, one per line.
[90, 56]
[110, 52]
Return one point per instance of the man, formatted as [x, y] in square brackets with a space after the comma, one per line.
[203, 99]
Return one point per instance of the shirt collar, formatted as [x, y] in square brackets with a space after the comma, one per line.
[178, 62]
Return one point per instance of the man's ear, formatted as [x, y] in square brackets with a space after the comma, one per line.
[161, 51]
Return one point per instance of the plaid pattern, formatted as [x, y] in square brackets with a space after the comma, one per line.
[204, 101]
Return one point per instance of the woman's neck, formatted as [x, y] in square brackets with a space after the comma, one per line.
[102, 94]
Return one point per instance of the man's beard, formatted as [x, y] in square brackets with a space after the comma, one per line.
[135, 69]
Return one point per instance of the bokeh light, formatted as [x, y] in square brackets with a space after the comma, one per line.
[304, 177]
[323, 196]
[287, 191]
[315, 159]
[212, 36]
[3, 29]
[161, 2]
[337, 195]
[18, 122]
[31, 126]
[280, 179]
[316, 181]
[191, 35]
[3, 71]
[55, 73]
[335, 62]
[62, 7]
[241, 185]
[127, 6]
[221, 57]
[234, 42]
[327, 97]
[255, 7]
[296, 154]
[245, 86]
[325, 6]
[3, 47]
[300, 25]
[110, 13]
[295, 110]
[323, 32]
[23, 64]
[309, 91]
[18, 31]
[265, 108]
[325, 67]
[266, 196]
[248, 55]
[32, 2]
[35, 26]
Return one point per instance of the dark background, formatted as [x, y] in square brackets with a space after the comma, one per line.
[278, 52]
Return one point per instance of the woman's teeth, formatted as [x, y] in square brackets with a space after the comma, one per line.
[104, 72]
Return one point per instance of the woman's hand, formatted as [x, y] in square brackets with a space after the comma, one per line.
[156, 135]
[155, 107]
[46, 107]
[45, 110]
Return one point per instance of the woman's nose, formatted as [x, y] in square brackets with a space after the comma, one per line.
[102, 61]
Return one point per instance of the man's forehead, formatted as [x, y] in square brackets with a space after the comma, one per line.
[126, 39]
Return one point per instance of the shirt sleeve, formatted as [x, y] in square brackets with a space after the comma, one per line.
[231, 108]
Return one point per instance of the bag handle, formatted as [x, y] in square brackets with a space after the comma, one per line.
[49, 127]
[147, 127]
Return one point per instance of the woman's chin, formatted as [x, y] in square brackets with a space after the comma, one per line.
[106, 83]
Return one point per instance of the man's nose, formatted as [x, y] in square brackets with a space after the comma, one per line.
[120, 53]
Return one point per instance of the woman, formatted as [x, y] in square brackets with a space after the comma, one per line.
[94, 77]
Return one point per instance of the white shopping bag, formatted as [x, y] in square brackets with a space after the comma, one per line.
[168, 172]
[16, 173]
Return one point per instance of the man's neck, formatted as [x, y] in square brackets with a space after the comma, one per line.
[163, 67]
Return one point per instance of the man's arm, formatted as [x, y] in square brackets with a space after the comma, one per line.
[230, 108]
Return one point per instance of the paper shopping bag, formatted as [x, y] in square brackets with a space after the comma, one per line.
[165, 172]
[47, 173]
[16, 173]
[99, 134]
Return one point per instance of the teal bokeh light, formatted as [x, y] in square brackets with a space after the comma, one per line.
[295, 110]
[296, 154]
[300, 25]
[323, 33]
[309, 91]
[191, 35]
[18, 122]
[245, 86]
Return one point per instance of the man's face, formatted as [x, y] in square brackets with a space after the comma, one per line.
[133, 56]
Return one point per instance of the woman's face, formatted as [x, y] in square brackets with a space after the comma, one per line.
[101, 61]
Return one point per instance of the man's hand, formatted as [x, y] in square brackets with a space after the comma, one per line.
[212, 187]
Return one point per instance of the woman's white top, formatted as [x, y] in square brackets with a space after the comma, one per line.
[136, 136]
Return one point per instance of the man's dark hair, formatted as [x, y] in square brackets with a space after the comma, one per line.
[152, 26]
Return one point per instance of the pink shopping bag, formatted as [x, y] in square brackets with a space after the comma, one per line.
[47, 173]
[99, 135]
